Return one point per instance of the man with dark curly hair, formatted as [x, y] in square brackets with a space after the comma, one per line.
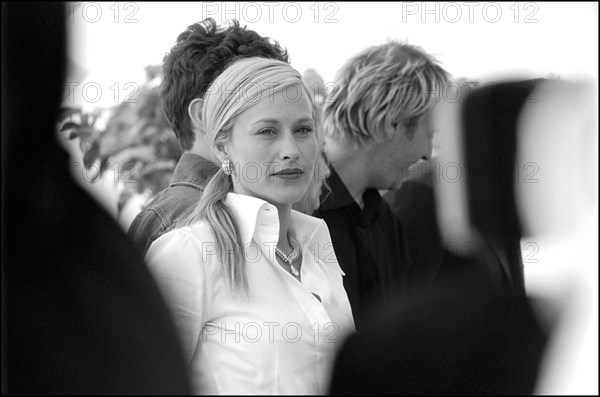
[199, 55]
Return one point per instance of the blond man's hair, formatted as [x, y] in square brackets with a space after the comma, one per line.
[380, 87]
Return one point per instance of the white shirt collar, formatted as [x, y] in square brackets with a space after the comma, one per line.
[259, 218]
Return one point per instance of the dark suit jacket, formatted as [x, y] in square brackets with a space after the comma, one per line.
[461, 338]
[81, 314]
[432, 259]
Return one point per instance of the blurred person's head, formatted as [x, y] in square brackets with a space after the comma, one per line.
[557, 202]
[200, 53]
[260, 119]
[529, 154]
[520, 145]
[381, 106]
[480, 140]
[557, 153]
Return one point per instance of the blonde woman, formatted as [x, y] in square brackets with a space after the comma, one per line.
[254, 286]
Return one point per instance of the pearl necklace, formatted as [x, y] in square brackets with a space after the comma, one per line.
[292, 257]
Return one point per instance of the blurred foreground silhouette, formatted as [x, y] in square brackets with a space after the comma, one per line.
[81, 313]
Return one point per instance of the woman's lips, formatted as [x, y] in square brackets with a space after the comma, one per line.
[289, 174]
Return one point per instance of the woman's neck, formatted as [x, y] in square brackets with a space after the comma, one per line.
[284, 211]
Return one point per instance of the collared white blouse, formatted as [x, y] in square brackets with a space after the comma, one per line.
[280, 339]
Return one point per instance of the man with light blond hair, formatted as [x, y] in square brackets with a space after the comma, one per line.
[377, 124]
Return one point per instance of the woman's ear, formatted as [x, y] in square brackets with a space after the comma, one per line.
[221, 151]
[195, 113]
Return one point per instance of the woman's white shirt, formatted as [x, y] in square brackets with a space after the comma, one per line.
[280, 339]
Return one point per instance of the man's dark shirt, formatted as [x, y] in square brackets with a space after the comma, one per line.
[368, 245]
[185, 191]
[414, 206]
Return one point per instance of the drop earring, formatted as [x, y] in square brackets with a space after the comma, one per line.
[227, 167]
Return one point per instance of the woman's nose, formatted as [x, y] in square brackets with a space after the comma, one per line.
[289, 148]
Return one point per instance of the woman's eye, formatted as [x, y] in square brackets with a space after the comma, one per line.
[267, 131]
[304, 130]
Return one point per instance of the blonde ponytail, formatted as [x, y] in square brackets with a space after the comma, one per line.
[223, 224]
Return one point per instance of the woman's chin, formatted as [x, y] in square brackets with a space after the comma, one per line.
[290, 198]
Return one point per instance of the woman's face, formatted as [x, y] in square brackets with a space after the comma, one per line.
[274, 148]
